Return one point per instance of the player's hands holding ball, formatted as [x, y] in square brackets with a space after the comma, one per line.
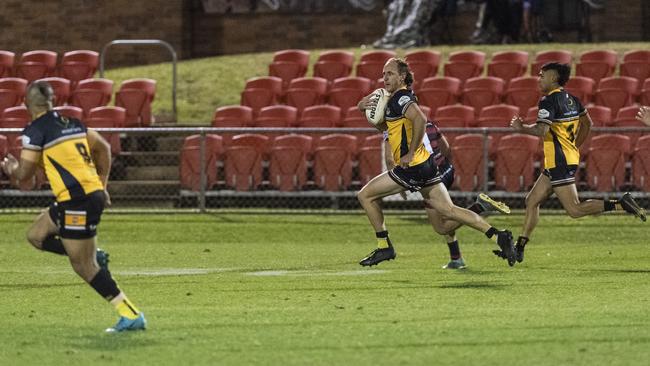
[9, 164]
[517, 123]
[374, 107]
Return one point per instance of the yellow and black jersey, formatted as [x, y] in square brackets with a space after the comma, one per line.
[561, 111]
[400, 128]
[66, 155]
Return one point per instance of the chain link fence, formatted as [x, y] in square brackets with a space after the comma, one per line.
[323, 168]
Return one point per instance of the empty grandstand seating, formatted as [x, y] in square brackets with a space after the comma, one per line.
[243, 161]
[277, 116]
[190, 161]
[479, 92]
[582, 88]
[454, 116]
[605, 163]
[333, 157]
[431, 58]
[346, 92]
[436, 92]
[334, 64]
[467, 151]
[508, 65]
[597, 64]
[616, 92]
[543, 57]
[12, 92]
[320, 116]
[288, 162]
[70, 111]
[370, 158]
[233, 116]
[288, 65]
[306, 92]
[37, 64]
[61, 89]
[261, 92]
[136, 96]
[78, 65]
[523, 92]
[641, 164]
[91, 93]
[6, 63]
[108, 117]
[514, 167]
[601, 116]
[464, 64]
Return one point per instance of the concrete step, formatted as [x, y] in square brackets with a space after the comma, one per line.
[148, 173]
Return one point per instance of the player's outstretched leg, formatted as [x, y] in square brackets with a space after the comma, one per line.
[489, 204]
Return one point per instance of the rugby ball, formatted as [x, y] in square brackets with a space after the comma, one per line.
[375, 114]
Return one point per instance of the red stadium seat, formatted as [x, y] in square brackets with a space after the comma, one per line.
[271, 83]
[136, 97]
[354, 118]
[70, 111]
[288, 162]
[190, 166]
[508, 65]
[6, 63]
[636, 64]
[582, 88]
[14, 117]
[301, 57]
[543, 57]
[644, 98]
[333, 157]
[363, 84]
[370, 70]
[641, 164]
[601, 116]
[626, 117]
[306, 92]
[454, 116]
[514, 167]
[3, 147]
[439, 91]
[91, 93]
[605, 164]
[523, 92]
[432, 58]
[78, 65]
[243, 161]
[35, 65]
[345, 98]
[370, 163]
[377, 56]
[420, 71]
[464, 65]
[108, 117]
[332, 65]
[497, 116]
[467, 151]
[531, 115]
[480, 92]
[257, 99]
[475, 57]
[277, 116]
[61, 89]
[233, 116]
[12, 92]
[597, 64]
[616, 92]
[320, 116]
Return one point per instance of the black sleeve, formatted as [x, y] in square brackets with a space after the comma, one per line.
[33, 138]
[547, 111]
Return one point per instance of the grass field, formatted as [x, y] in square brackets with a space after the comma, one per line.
[237, 289]
[205, 84]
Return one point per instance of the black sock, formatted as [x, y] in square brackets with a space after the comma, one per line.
[491, 232]
[382, 234]
[476, 208]
[104, 284]
[53, 244]
[522, 241]
[454, 250]
[610, 205]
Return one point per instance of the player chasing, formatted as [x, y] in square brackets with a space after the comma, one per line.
[414, 170]
[77, 164]
[564, 124]
[438, 146]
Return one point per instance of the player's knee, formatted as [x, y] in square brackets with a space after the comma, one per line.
[34, 239]
[573, 212]
[531, 201]
[363, 196]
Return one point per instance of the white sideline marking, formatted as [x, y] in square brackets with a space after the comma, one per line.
[172, 271]
[315, 273]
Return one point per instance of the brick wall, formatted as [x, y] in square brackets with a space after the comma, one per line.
[62, 25]
[41, 24]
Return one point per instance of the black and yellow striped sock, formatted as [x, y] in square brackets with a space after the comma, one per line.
[125, 307]
[383, 241]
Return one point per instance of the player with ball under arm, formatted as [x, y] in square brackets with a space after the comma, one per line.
[415, 168]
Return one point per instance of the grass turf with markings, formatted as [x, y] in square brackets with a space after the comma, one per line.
[236, 289]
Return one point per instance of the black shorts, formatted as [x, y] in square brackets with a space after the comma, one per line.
[78, 219]
[416, 177]
[446, 172]
[562, 175]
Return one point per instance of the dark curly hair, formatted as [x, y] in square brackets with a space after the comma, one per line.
[563, 71]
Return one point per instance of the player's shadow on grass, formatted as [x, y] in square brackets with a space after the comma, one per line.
[473, 286]
[110, 342]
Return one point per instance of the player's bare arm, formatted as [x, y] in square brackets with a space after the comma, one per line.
[25, 169]
[584, 127]
[415, 114]
[538, 129]
[100, 151]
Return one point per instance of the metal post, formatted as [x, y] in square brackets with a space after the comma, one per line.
[144, 42]
[485, 160]
[203, 177]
